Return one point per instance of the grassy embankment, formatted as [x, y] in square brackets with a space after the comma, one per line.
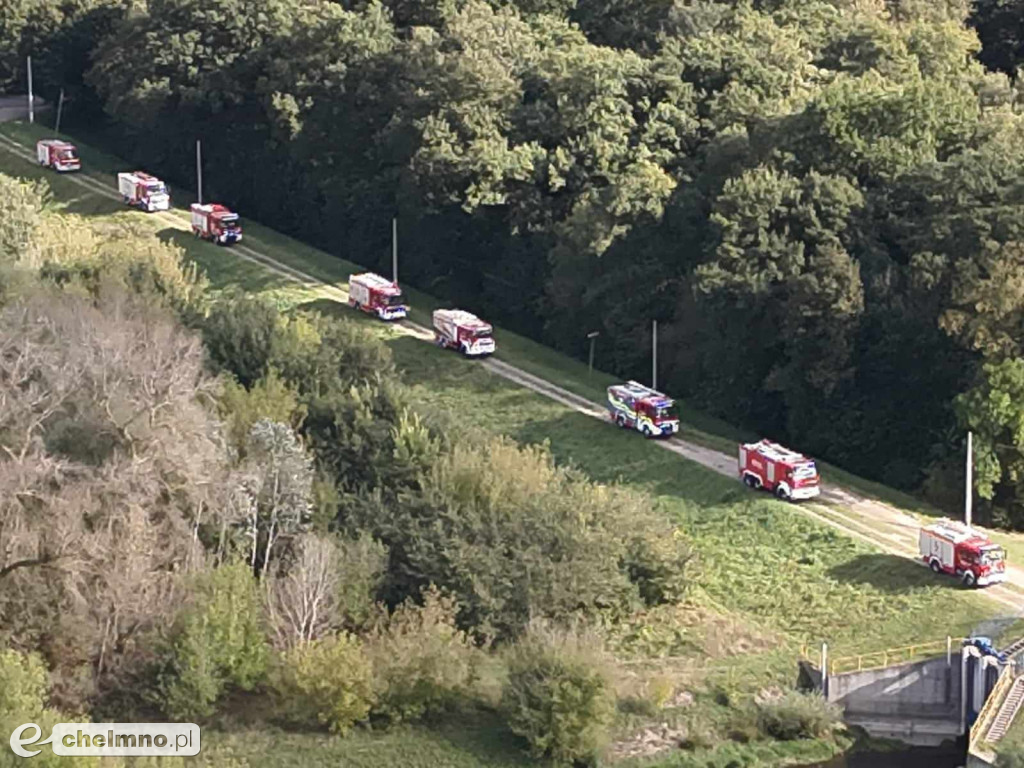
[767, 579]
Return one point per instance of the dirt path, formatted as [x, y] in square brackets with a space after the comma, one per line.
[882, 525]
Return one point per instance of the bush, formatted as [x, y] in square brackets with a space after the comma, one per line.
[218, 641]
[22, 685]
[1010, 754]
[796, 715]
[327, 681]
[422, 664]
[558, 696]
[515, 537]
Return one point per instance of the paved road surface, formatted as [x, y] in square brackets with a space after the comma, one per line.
[16, 107]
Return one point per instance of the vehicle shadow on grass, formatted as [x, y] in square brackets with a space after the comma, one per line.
[222, 268]
[891, 573]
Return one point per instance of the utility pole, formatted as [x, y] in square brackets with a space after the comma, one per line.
[199, 172]
[654, 355]
[969, 494]
[60, 106]
[31, 109]
[394, 250]
[593, 338]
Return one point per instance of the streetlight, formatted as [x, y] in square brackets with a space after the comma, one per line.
[593, 338]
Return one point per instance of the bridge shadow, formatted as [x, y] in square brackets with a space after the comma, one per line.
[892, 574]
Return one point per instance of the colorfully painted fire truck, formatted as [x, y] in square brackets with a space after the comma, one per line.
[57, 154]
[214, 222]
[948, 546]
[458, 329]
[635, 406]
[143, 191]
[789, 475]
[377, 296]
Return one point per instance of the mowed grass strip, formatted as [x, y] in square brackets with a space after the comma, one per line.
[757, 558]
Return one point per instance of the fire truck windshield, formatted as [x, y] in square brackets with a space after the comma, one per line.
[805, 471]
[68, 154]
[480, 334]
[665, 412]
[155, 189]
[396, 300]
[991, 556]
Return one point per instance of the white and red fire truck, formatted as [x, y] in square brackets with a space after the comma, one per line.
[948, 546]
[214, 222]
[377, 296]
[789, 475]
[57, 154]
[458, 329]
[143, 191]
[648, 411]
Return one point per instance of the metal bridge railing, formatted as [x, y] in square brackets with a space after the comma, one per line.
[879, 659]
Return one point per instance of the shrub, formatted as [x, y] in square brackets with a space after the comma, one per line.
[269, 398]
[558, 696]
[796, 715]
[422, 664]
[515, 537]
[1010, 754]
[22, 685]
[217, 641]
[327, 681]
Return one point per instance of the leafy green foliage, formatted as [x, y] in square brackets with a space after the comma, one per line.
[327, 681]
[23, 683]
[796, 715]
[512, 536]
[558, 697]
[218, 641]
[423, 665]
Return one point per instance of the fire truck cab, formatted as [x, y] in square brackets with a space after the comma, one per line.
[648, 411]
[461, 330]
[377, 296]
[59, 155]
[789, 475]
[948, 546]
[143, 191]
[216, 223]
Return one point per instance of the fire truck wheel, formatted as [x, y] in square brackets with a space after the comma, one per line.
[620, 420]
[749, 481]
[968, 579]
[780, 491]
[935, 566]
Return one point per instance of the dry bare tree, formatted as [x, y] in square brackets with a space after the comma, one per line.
[305, 604]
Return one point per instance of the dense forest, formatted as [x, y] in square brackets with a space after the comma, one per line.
[818, 200]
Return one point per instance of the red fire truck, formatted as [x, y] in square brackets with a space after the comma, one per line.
[789, 475]
[635, 406]
[214, 222]
[377, 296]
[458, 329]
[143, 191]
[57, 154]
[951, 547]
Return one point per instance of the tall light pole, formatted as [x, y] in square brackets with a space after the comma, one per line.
[31, 99]
[593, 338]
[60, 107]
[654, 355]
[969, 494]
[199, 172]
[394, 250]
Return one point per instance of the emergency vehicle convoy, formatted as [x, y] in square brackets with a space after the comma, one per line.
[214, 222]
[952, 547]
[377, 296]
[57, 154]
[635, 406]
[789, 475]
[458, 329]
[143, 191]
